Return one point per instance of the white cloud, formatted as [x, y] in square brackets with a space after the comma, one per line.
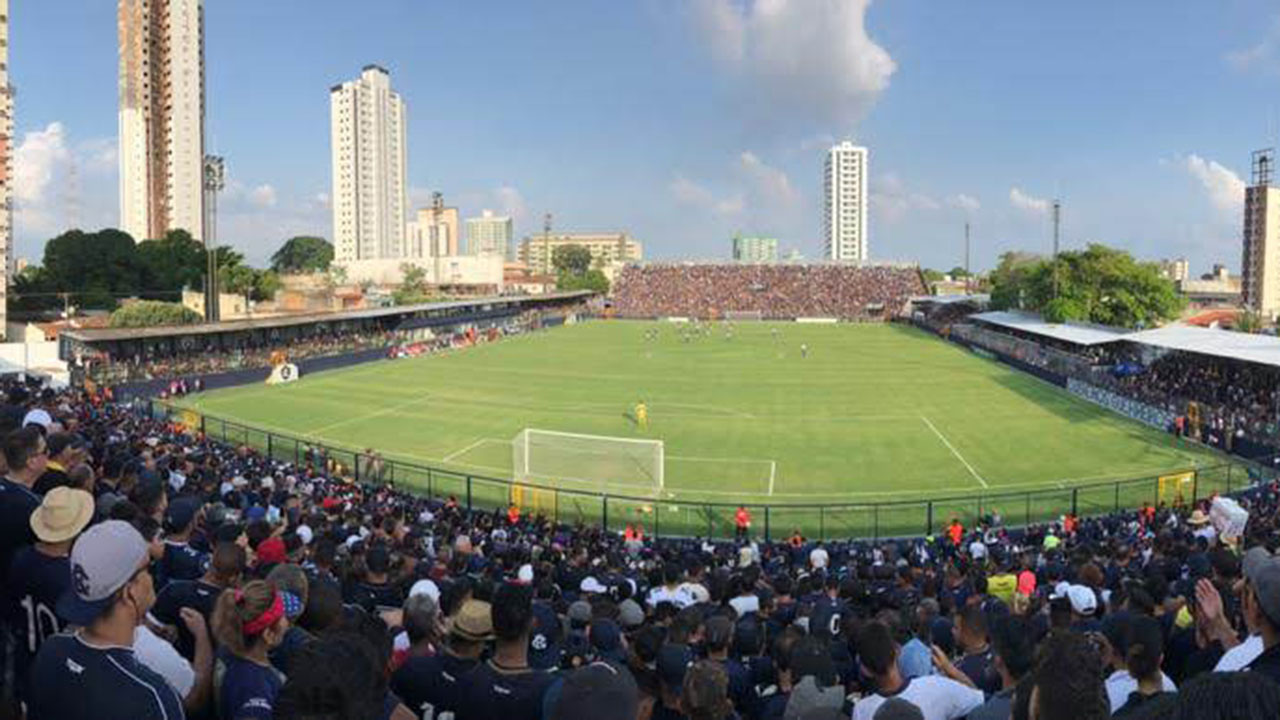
[962, 201]
[1028, 203]
[263, 196]
[322, 199]
[768, 181]
[1224, 188]
[891, 200]
[690, 193]
[1264, 55]
[812, 57]
[37, 159]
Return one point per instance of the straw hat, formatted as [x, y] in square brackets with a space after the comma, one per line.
[1198, 518]
[62, 515]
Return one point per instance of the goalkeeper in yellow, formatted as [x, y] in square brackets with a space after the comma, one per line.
[642, 416]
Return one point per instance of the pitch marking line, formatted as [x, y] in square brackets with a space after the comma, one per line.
[955, 452]
[466, 449]
[367, 416]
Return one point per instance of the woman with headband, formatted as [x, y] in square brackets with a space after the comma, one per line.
[248, 623]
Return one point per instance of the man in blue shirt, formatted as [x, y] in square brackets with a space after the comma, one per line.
[93, 674]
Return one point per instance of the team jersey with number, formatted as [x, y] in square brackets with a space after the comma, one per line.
[35, 583]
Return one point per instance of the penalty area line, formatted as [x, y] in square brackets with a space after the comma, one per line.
[955, 452]
[466, 449]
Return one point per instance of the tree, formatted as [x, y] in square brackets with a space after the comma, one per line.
[303, 254]
[1098, 284]
[174, 262]
[150, 313]
[593, 280]
[958, 272]
[94, 267]
[573, 259]
[1248, 321]
[932, 276]
[413, 286]
[266, 285]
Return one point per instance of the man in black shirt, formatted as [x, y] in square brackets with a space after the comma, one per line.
[181, 561]
[431, 685]
[225, 571]
[24, 451]
[506, 687]
[375, 590]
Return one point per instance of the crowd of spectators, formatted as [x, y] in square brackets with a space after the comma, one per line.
[773, 291]
[196, 358]
[151, 572]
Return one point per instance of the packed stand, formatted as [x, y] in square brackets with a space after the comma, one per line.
[775, 291]
[153, 573]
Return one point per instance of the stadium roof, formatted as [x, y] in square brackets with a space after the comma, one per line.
[1262, 349]
[275, 321]
[1079, 334]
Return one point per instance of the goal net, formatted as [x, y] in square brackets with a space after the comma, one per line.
[547, 456]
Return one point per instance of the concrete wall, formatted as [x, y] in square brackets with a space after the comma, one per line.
[450, 270]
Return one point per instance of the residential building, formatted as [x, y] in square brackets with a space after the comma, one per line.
[161, 121]
[6, 169]
[609, 250]
[1176, 270]
[754, 249]
[1260, 266]
[434, 234]
[489, 234]
[844, 219]
[367, 139]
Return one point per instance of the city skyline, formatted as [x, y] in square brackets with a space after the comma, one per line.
[698, 120]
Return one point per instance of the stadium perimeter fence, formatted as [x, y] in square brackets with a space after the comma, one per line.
[674, 517]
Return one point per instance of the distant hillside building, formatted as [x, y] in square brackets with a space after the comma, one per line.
[754, 249]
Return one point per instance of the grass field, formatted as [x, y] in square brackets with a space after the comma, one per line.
[874, 413]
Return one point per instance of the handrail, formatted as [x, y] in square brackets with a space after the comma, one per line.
[692, 517]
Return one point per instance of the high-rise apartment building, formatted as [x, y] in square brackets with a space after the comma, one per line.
[489, 234]
[844, 220]
[6, 166]
[754, 249]
[1260, 266]
[161, 116]
[434, 234]
[369, 167]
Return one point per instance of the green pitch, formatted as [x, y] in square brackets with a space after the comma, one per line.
[874, 413]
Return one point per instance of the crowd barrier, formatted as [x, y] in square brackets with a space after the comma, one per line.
[660, 516]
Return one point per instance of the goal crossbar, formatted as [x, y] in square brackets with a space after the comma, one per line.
[551, 455]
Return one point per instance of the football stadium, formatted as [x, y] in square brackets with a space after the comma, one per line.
[605, 363]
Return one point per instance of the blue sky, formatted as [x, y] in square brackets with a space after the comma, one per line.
[685, 121]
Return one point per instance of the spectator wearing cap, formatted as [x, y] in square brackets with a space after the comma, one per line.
[672, 665]
[1261, 606]
[506, 686]
[294, 587]
[607, 643]
[66, 450]
[599, 691]
[226, 570]
[938, 697]
[181, 561]
[1014, 647]
[431, 685]
[248, 622]
[40, 574]
[94, 674]
[25, 454]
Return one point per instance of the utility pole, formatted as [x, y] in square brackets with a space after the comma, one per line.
[968, 273]
[1057, 222]
[546, 244]
[214, 181]
[439, 245]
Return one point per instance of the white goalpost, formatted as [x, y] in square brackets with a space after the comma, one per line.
[549, 456]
